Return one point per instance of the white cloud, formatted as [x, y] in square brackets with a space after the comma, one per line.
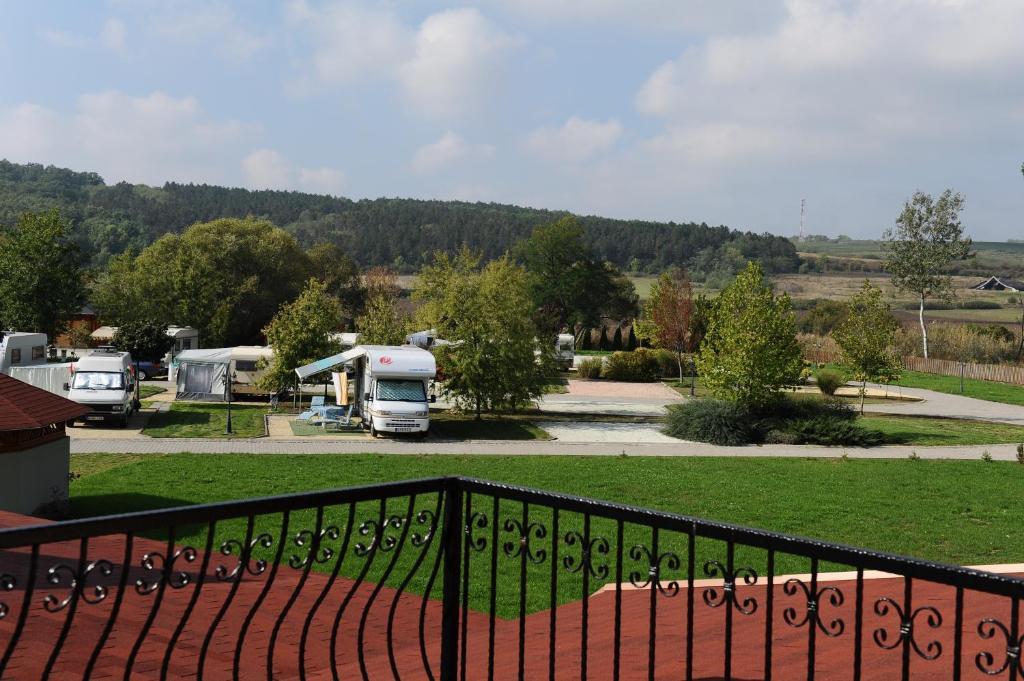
[111, 36]
[449, 65]
[269, 169]
[576, 140]
[457, 64]
[448, 149]
[151, 139]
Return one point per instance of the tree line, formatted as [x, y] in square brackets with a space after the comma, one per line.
[107, 220]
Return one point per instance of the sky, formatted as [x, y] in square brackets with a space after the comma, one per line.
[725, 112]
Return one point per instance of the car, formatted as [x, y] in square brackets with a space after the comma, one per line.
[149, 370]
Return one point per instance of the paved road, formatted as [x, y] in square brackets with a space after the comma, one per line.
[954, 406]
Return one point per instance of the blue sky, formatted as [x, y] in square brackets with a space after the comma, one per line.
[727, 112]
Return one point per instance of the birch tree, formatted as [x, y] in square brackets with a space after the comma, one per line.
[927, 238]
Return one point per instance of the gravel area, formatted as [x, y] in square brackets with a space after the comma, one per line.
[619, 389]
[576, 431]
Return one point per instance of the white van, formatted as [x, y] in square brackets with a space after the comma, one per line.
[392, 385]
[104, 381]
[565, 350]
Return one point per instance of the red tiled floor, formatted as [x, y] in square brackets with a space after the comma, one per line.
[274, 624]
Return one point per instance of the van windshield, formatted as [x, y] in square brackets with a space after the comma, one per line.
[98, 380]
[400, 391]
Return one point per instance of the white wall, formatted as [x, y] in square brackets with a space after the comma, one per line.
[33, 477]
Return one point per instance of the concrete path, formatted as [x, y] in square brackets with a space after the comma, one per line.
[952, 406]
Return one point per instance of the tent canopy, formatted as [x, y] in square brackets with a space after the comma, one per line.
[202, 374]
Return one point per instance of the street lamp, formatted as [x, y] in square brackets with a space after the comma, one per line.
[230, 376]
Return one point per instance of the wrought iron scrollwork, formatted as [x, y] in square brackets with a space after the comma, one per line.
[812, 611]
[671, 562]
[589, 550]
[985, 661]
[379, 540]
[515, 548]
[76, 584]
[476, 520]
[7, 583]
[712, 597]
[428, 518]
[932, 618]
[175, 579]
[317, 552]
[245, 562]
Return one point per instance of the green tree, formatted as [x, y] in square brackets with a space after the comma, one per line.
[300, 333]
[568, 287]
[927, 238]
[491, 361]
[867, 336]
[383, 321]
[147, 341]
[670, 312]
[226, 278]
[340, 276]
[750, 351]
[40, 275]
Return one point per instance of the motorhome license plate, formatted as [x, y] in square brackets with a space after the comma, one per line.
[93, 418]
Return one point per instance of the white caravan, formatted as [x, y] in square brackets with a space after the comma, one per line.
[18, 349]
[104, 381]
[391, 386]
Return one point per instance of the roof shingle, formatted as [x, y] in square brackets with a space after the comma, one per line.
[26, 407]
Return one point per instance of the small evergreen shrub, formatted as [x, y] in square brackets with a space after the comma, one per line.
[715, 421]
[590, 368]
[829, 381]
[833, 431]
[640, 365]
[667, 367]
[781, 437]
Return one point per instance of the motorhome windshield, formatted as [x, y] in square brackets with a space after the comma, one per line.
[391, 390]
[98, 380]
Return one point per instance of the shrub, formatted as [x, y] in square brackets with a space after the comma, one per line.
[667, 367]
[980, 305]
[640, 365]
[829, 381]
[833, 431]
[781, 437]
[590, 368]
[716, 421]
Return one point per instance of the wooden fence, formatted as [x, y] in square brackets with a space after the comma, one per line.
[1003, 373]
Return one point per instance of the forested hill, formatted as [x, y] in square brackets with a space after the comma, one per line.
[398, 232]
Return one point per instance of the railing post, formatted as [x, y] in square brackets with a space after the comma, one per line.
[452, 562]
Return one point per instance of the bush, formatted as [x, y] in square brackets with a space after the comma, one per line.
[829, 381]
[667, 367]
[833, 431]
[640, 365]
[981, 305]
[590, 368]
[715, 421]
[781, 437]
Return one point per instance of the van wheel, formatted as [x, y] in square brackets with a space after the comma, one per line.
[70, 424]
[423, 434]
[123, 423]
[142, 375]
[373, 431]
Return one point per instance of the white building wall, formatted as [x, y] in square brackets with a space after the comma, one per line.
[33, 477]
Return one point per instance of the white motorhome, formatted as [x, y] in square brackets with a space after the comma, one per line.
[18, 349]
[104, 381]
[391, 382]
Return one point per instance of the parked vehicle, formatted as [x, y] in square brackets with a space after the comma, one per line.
[391, 386]
[148, 370]
[18, 349]
[565, 350]
[104, 381]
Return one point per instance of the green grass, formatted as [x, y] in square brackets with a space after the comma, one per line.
[982, 390]
[150, 390]
[206, 420]
[462, 427]
[934, 431]
[963, 512]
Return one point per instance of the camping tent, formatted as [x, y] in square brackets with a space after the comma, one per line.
[201, 374]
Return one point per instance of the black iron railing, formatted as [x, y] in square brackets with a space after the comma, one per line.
[454, 578]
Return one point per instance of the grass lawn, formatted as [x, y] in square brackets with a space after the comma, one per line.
[982, 390]
[928, 430]
[206, 420]
[150, 390]
[964, 512]
[465, 427]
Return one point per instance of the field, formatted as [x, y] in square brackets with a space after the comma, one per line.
[964, 512]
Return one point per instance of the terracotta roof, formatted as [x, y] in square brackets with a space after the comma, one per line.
[24, 407]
